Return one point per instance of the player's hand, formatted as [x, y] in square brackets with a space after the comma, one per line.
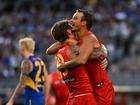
[104, 63]
[60, 67]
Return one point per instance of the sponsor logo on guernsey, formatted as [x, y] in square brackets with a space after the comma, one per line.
[39, 85]
[68, 80]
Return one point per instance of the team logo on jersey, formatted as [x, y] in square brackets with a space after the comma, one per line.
[60, 60]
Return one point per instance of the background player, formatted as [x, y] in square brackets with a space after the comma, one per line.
[59, 88]
[33, 75]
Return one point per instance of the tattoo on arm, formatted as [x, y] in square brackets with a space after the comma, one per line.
[25, 70]
[26, 67]
[99, 53]
[84, 52]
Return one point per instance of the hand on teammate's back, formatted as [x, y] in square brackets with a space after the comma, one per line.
[104, 63]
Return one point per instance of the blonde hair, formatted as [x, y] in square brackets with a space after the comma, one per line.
[28, 43]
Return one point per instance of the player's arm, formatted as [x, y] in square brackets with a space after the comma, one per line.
[46, 85]
[104, 64]
[99, 53]
[50, 82]
[54, 48]
[49, 87]
[26, 68]
[89, 43]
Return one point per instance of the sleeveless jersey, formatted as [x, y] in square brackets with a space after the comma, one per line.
[34, 87]
[96, 74]
[76, 79]
[101, 84]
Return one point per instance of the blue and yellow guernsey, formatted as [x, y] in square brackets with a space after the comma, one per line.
[34, 84]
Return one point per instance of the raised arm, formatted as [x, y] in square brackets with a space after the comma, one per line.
[26, 68]
[89, 43]
[54, 48]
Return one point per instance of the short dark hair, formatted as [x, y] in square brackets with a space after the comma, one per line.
[87, 16]
[59, 30]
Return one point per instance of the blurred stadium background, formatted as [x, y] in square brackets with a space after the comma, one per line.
[116, 23]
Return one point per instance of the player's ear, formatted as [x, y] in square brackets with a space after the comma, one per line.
[84, 23]
[69, 32]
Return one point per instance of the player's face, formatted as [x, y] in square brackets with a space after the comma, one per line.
[71, 40]
[21, 48]
[76, 22]
[70, 34]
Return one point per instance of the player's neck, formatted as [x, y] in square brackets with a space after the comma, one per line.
[28, 54]
[82, 33]
[72, 42]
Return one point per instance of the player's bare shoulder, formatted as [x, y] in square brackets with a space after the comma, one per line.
[91, 39]
[26, 66]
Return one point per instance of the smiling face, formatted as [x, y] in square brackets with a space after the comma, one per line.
[81, 19]
[76, 21]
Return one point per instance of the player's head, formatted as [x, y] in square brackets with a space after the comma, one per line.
[26, 45]
[81, 18]
[60, 30]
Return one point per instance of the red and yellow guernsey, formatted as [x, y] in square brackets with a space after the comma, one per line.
[102, 86]
[60, 89]
[76, 78]
[97, 75]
